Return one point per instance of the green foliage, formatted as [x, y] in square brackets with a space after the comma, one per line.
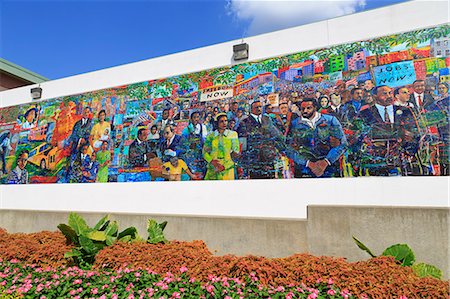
[89, 241]
[363, 247]
[402, 253]
[405, 256]
[155, 232]
[427, 270]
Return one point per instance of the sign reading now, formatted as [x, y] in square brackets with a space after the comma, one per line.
[216, 95]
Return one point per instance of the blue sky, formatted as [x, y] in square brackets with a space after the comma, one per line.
[61, 38]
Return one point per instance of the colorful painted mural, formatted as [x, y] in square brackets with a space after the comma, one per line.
[373, 108]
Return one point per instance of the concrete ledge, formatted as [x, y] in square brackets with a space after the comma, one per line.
[328, 231]
[425, 230]
[223, 235]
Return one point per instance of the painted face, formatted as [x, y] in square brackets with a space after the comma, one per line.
[336, 100]
[284, 109]
[174, 161]
[358, 95]
[143, 136]
[403, 95]
[419, 87]
[86, 113]
[167, 133]
[104, 146]
[368, 85]
[84, 149]
[165, 114]
[442, 89]
[102, 116]
[369, 99]
[22, 160]
[222, 123]
[323, 102]
[257, 108]
[384, 96]
[195, 119]
[31, 115]
[307, 109]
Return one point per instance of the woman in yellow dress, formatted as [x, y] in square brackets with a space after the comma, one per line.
[220, 149]
[100, 131]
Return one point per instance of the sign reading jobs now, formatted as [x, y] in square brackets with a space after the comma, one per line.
[395, 74]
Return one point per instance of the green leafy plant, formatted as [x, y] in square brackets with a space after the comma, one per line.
[401, 253]
[155, 232]
[426, 270]
[89, 241]
[405, 256]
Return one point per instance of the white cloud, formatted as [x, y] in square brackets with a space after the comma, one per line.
[265, 16]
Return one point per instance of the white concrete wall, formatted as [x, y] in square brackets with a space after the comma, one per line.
[267, 198]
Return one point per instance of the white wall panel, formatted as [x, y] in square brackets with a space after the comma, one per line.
[257, 198]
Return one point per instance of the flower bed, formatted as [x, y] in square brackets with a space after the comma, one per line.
[379, 277]
[31, 281]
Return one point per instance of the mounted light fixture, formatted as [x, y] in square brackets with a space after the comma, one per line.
[36, 93]
[240, 52]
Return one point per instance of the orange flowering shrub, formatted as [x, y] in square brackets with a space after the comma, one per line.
[379, 277]
[44, 248]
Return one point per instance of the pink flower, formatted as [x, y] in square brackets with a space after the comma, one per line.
[209, 288]
[176, 295]
[312, 296]
[183, 269]
[77, 281]
[403, 297]
[72, 292]
[289, 295]
[330, 280]
[94, 291]
[345, 293]
[331, 292]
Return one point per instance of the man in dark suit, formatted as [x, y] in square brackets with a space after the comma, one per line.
[256, 131]
[81, 131]
[78, 162]
[419, 99]
[170, 142]
[352, 108]
[391, 134]
[140, 150]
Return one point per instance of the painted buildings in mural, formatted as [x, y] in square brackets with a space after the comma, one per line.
[372, 108]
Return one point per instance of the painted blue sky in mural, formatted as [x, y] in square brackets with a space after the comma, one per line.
[63, 38]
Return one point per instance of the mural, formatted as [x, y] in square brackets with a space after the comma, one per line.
[373, 108]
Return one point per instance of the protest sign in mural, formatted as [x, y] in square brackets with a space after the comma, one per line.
[360, 109]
